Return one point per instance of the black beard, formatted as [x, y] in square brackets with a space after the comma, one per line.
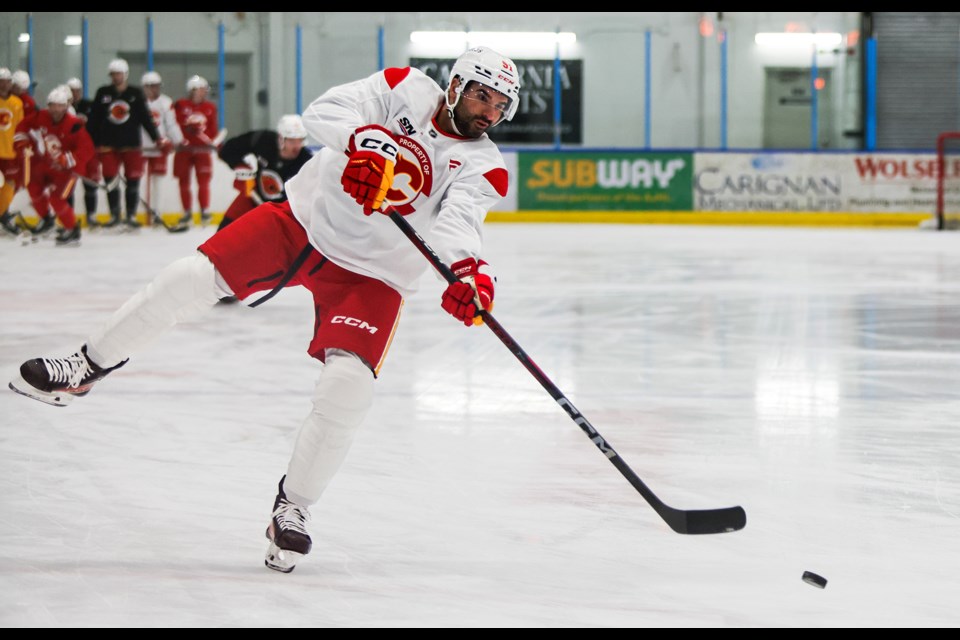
[463, 126]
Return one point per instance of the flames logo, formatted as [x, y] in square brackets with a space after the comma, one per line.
[412, 175]
[53, 145]
[6, 119]
[156, 117]
[119, 112]
[196, 122]
[271, 185]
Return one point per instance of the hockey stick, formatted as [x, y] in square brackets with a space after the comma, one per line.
[682, 521]
[156, 216]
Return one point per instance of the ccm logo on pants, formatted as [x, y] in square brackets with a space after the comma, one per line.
[353, 322]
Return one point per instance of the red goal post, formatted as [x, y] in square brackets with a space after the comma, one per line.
[947, 213]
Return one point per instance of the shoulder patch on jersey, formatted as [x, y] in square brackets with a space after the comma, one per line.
[76, 127]
[498, 179]
[395, 75]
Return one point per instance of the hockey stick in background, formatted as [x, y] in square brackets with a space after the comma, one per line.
[681, 521]
[208, 144]
[177, 228]
[112, 185]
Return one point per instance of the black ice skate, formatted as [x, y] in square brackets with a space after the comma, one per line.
[57, 381]
[130, 223]
[289, 540]
[68, 237]
[9, 223]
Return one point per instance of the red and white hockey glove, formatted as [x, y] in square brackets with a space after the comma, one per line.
[21, 142]
[64, 161]
[244, 179]
[165, 145]
[461, 299]
[369, 172]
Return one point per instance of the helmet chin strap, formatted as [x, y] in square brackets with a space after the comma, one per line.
[450, 107]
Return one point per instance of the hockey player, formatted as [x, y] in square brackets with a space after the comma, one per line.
[156, 156]
[83, 106]
[197, 118]
[393, 139]
[119, 112]
[21, 88]
[262, 162]
[11, 113]
[55, 143]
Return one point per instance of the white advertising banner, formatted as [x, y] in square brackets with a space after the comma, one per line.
[820, 182]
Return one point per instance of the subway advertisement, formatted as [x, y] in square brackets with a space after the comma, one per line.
[604, 181]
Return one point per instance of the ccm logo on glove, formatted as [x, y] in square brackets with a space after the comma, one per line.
[368, 175]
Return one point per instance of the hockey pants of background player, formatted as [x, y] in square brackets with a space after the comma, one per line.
[51, 189]
[131, 160]
[188, 288]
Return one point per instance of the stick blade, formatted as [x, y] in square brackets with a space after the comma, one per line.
[707, 521]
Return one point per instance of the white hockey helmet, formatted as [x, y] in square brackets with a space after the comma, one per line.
[489, 68]
[151, 77]
[197, 82]
[74, 83]
[119, 65]
[5, 74]
[291, 126]
[59, 95]
[21, 79]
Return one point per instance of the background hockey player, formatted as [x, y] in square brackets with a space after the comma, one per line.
[55, 143]
[262, 161]
[197, 118]
[83, 106]
[21, 88]
[394, 138]
[11, 113]
[119, 112]
[157, 157]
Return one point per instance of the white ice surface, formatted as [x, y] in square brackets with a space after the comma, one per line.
[811, 376]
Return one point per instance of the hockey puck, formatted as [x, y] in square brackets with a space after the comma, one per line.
[811, 578]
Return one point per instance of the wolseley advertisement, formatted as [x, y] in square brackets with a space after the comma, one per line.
[820, 182]
[605, 181]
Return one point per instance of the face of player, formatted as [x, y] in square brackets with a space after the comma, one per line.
[5, 88]
[290, 147]
[118, 78]
[199, 95]
[57, 111]
[152, 91]
[478, 109]
[77, 95]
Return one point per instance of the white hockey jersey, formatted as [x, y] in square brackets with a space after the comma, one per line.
[166, 120]
[444, 185]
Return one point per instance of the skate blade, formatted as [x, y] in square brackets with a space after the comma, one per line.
[56, 399]
[282, 560]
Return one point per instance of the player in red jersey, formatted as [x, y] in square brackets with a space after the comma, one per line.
[197, 118]
[55, 144]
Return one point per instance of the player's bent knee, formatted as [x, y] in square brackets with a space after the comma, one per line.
[188, 282]
[344, 393]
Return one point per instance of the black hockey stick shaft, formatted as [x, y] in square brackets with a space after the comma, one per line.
[153, 213]
[682, 521]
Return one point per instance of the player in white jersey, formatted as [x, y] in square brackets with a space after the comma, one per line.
[156, 156]
[392, 140]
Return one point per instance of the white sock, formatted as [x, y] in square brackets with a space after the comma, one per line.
[343, 396]
[183, 290]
